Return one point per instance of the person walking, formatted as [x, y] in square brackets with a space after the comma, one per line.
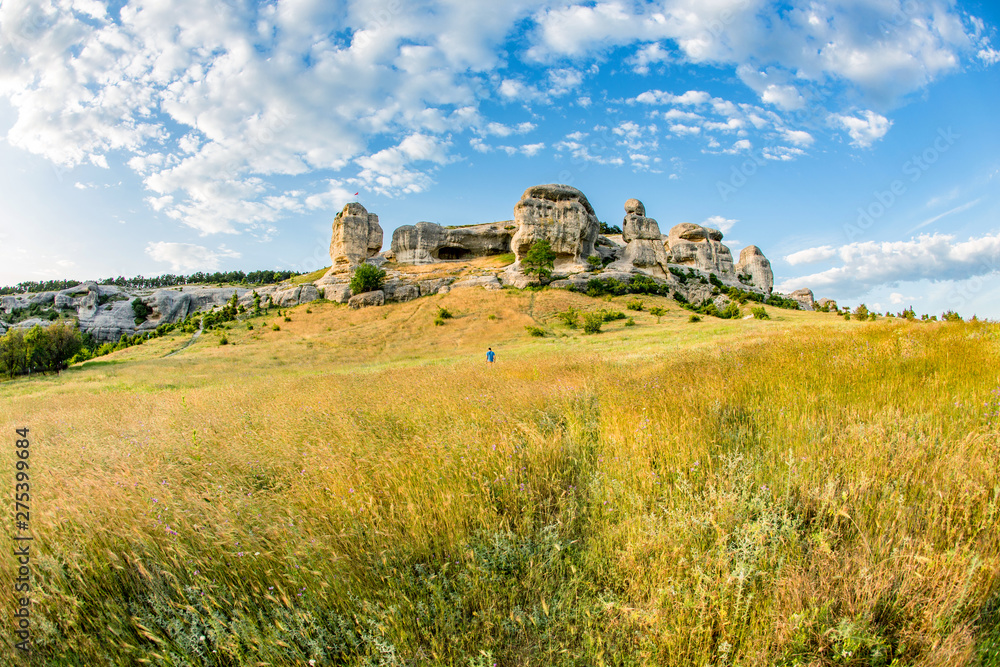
[490, 355]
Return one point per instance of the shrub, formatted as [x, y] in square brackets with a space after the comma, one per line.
[308, 311]
[570, 317]
[634, 304]
[630, 322]
[610, 229]
[731, 312]
[535, 331]
[438, 321]
[491, 317]
[540, 260]
[140, 310]
[861, 312]
[249, 327]
[714, 279]
[847, 317]
[760, 314]
[612, 315]
[444, 314]
[367, 278]
[694, 318]
[951, 316]
[658, 312]
[592, 322]
[223, 341]
[287, 318]
[594, 262]
[276, 328]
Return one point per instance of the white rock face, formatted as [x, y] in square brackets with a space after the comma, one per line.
[356, 237]
[805, 299]
[366, 299]
[644, 252]
[427, 242]
[562, 215]
[701, 248]
[753, 262]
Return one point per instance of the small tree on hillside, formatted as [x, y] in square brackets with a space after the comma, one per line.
[367, 278]
[540, 260]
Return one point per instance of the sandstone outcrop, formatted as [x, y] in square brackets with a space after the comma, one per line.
[753, 263]
[828, 304]
[427, 242]
[644, 252]
[805, 298]
[701, 248]
[366, 299]
[562, 215]
[356, 237]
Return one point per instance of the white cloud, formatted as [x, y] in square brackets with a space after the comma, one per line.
[188, 257]
[798, 137]
[784, 97]
[864, 130]
[896, 298]
[810, 255]
[957, 209]
[720, 223]
[532, 149]
[989, 56]
[648, 55]
[935, 257]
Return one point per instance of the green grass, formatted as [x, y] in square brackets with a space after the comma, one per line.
[360, 488]
[309, 277]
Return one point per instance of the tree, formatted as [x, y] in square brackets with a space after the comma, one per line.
[367, 278]
[13, 353]
[540, 259]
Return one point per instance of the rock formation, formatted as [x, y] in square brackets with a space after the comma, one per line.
[427, 242]
[564, 217]
[805, 298]
[753, 263]
[356, 237]
[644, 252]
[701, 248]
[827, 304]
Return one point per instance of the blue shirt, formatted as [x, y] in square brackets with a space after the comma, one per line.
[490, 356]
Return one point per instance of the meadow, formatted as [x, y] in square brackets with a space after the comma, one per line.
[360, 488]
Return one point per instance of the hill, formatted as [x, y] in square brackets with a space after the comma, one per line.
[358, 487]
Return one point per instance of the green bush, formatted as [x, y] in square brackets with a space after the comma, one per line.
[438, 321]
[570, 317]
[760, 314]
[140, 310]
[367, 278]
[223, 341]
[630, 322]
[612, 315]
[287, 318]
[951, 316]
[634, 304]
[592, 322]
[276, 328]
[594, 262]
[658, 312]
[694, 318]
[535, 331]
[443, 313]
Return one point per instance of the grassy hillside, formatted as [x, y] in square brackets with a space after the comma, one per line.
[359, 488]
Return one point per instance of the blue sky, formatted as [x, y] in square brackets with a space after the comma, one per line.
[854, 142]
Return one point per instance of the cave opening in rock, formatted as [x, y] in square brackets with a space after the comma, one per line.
[452, 253]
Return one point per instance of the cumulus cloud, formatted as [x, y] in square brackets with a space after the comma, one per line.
[866, 129]
[810, 255]
[866, 265]
[188, 257]
[720, 223]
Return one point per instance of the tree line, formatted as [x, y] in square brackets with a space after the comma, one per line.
[263, 277]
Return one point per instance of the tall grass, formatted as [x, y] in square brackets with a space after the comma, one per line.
[796, 492]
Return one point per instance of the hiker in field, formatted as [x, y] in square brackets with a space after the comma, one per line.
[490, 355]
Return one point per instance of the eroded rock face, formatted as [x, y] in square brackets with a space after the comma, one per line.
[366, 299]
[829, 304]
[356, 237]
[753, 262]
[560, 214]
[699, 247]
[805, 298]
[427, 242]
[644, 252]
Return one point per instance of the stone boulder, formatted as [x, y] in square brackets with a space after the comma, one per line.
[644, 252]
[562, 215]
[753, 262]
[365, 299]
[827, 304]
[486, 282]
[699, 247]
[427, 242]
[805, 298]
[356, 237]
[397, 291]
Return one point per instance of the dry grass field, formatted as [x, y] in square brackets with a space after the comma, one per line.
[359, 488]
